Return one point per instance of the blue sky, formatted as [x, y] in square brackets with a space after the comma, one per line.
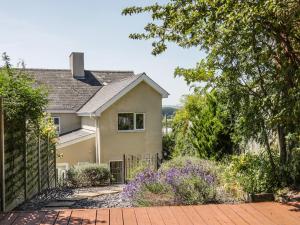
[44, 33]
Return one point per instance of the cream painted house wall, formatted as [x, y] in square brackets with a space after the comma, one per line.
[88, 123]
[114, 143]
[83, 151]
[68, 121]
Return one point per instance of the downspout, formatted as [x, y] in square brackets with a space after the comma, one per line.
[98, 144]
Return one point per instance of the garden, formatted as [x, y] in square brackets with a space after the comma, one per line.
[240, 124]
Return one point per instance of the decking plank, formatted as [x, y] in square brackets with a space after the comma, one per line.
[180, 216]
[89, 217]
[76, 217]
[245, 215]
[63, 217]
[102, 217]
[154, 216]
[222, 218]
[116, 216]
[29, 218]
[232, 215]
[49, 218]
[258, 215]
[142, 217]
[207, 215]
[294, 211]
[167, 215]
[194, 217]
[9, 218]
[267, 213]
[129, 216]
[275, 213]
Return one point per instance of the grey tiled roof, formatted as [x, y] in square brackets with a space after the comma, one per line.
[74, 135]
[106, 93]
[69, 94]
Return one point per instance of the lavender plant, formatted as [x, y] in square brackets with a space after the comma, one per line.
[190, 183]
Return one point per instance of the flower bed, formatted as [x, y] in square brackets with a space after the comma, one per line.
[186, 182]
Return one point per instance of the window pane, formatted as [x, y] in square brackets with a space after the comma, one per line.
[56, 121]
[139, 121]
[125, 121]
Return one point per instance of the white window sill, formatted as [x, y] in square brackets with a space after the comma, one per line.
[130, 131]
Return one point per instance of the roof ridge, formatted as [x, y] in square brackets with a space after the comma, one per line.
[105, 71]
[123, 79]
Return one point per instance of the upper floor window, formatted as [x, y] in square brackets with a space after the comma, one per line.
[131, 121]
[56, 122]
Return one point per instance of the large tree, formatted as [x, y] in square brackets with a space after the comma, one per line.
[202, 127]
[252, 53]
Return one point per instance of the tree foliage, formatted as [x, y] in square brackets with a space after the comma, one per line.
[202, 127]
[24, 100]
[252, 54]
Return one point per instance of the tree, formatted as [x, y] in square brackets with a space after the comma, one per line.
[24, 101]
[202, 127]
[22, 98]
[253, 55]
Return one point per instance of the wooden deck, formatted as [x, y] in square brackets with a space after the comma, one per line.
[242, 214]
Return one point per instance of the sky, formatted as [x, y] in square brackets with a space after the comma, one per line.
[44, 33]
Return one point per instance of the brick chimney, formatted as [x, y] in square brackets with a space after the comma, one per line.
[77, 65]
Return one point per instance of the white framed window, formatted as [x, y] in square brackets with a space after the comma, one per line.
[129, 121]
[56, 122]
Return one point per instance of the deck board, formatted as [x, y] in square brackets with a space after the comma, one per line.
[267, 213]
[142, 217]
[194, 217]
[102, 217]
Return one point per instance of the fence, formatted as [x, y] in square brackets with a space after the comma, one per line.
[131, 162]
[27, 161]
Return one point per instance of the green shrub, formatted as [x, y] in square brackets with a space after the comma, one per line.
[249, 173]
[96, 175]
[154, 194]
[88, 175]
[194, 190]
[180, 162]
[294, 166]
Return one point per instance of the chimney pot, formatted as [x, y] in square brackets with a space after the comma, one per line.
[77, 65]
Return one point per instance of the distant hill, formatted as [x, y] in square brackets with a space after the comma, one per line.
[169, 110]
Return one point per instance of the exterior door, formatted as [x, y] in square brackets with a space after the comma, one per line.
[116, 170]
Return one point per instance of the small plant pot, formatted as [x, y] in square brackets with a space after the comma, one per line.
[263, 197]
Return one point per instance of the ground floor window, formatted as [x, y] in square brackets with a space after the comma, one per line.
[116, 170]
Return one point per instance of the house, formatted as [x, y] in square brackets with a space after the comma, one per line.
[102, 115]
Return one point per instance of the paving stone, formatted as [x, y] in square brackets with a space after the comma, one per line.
[60, 204]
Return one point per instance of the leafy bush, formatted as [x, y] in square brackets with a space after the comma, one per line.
[168, 144]
[186, 182]
[208, 166]
[194, 190]
[249, 173]
[155, 194]
[88, 175]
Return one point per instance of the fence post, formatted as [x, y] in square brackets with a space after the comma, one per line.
[157, 161]
[2, 157]
[124, 168]
[55, 171]
[39, 163]
[48, 172]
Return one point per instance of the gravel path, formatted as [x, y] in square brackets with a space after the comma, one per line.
[62, 195]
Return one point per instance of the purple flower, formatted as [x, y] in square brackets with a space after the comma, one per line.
[172, 177]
